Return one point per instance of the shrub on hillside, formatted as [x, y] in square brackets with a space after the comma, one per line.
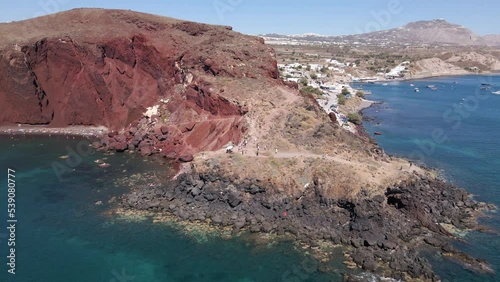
[303, 81]
[312, 90]
[354, 118]
[341, 99]
[360, 94]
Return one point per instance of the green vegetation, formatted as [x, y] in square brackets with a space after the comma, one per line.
[360, 94]
[303, 81]
[308, 68]
[312, 90]
[354, 118]
[345, 91]
[314, 76]
[342, 99]
[324, 69]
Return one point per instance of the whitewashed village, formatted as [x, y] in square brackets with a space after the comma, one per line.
[331, 83]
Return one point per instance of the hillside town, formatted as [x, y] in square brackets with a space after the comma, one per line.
[331, 84]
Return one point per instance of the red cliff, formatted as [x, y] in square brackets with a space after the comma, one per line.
[107, 67]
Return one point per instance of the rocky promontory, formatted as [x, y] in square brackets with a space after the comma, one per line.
[261, 155]
[381, 232]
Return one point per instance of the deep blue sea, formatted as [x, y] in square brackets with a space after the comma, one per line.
[456, 130]
[62, 235]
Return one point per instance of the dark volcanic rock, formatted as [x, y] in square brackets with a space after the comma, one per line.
[378, 228]
[164, 129]
[119, 146]
[186, 158]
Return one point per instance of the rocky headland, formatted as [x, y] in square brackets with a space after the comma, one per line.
[186, 91]
[381, 233]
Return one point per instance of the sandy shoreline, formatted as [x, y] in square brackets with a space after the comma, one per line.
[85, 131]
[365, 104]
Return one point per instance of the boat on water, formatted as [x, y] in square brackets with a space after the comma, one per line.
[416, 90]
[485, 88]
[486, 84]
[434, 88]
[377, 133]
[412, 85]
[496, 92]
[385, 84]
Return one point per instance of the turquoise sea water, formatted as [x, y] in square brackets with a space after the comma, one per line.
[455, 129]
[62, 235]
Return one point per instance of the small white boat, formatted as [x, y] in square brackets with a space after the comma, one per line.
[385, 84]
[417, 90]
[496, 92]
[412, 85]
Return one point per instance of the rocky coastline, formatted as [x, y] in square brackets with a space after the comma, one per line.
[380, 233]
[208, 87]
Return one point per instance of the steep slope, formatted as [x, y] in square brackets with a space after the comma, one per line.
[107, 67]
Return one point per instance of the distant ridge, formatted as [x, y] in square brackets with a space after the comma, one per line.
[438, 32]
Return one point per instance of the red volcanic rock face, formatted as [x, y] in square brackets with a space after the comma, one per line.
[107, 67]
[63, 83]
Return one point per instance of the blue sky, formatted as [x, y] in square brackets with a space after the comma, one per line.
[331, 17]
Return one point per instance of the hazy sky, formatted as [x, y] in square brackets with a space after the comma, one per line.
[331, 17]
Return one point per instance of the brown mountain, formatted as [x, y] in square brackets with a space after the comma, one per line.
[436, 32]
[492, 39]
